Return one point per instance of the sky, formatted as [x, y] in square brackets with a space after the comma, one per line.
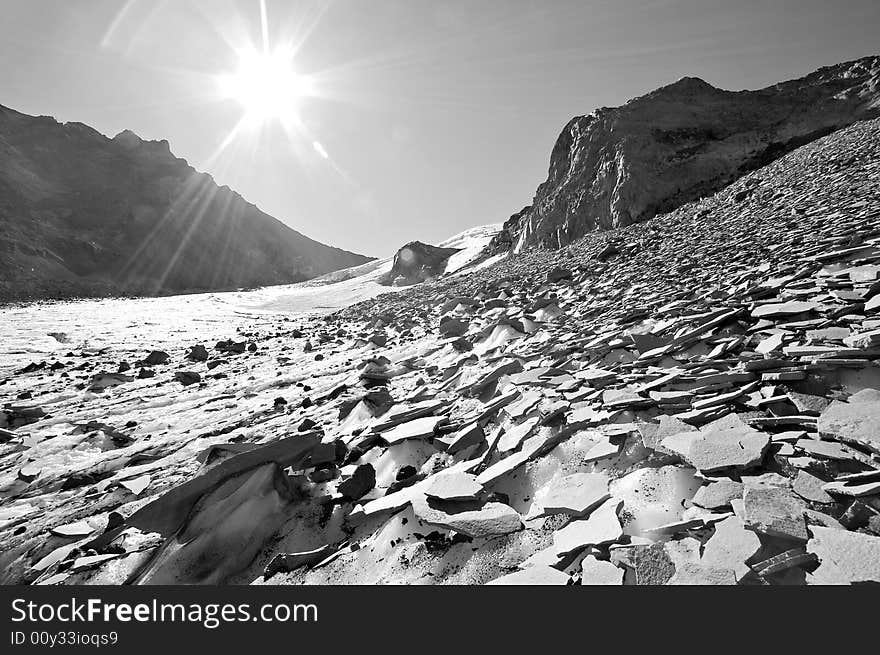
[415, 119]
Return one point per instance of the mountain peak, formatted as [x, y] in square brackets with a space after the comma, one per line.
[128, 139]
[86, 215]
[681, 142]
[689, 84]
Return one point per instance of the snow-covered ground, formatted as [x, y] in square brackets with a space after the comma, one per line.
[33, 332]
[107, 413]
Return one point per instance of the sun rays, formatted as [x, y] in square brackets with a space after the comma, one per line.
[259, 75]
[265, 84]
[259, 72]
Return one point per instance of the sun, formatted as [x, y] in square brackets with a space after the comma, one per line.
[266, 84]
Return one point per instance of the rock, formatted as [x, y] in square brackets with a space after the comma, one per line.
[470, 435]
[600, 572]
[775, 512]
[857, 515]
[361, 481]
[730, 547]
[825, 449]
[855, 485]
[155, 358]
[59, 554]
[608, 251]
[168, 512]
[416, 262]
[604, 449]
[78, 529]
[853, 422]
[197, 353]
[650, 564]
[576, 494]
[76, 480]
[622, 398]
[490, 378]
[691, 573]
[374, 374]
[810, 488]
[601, 527]
[844, 557]
[219, 451]
[323, 475]
[101, 381]
[864, 340]
[452, 327]
[770, 344]
[769, 479]
[510, 463]
[30, 471]
[419, 428]
[379, 340]
[595, 377]
[557, 274]
[136, 485]
[523, 405]
[462, 345]
[187, 378]
[15, 417]
[654, 434]
[288, 562]
[686, 549]
[726, 443]
[455, 486]
[90, 561]
[514, 436]
[718, 494]
[490, 520]
[230, 346]
[395, 500]
[795, 557]
[226, 529]
[774, 310]
[808, 405]
[324, 454]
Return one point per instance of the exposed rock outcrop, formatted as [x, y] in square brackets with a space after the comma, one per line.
[622, 165]
[83, 215]
[416, 262]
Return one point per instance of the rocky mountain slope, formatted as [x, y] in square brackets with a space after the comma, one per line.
[81, 214]
[688, 400]
[622, 165]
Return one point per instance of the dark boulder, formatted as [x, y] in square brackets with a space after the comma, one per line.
[416, 262]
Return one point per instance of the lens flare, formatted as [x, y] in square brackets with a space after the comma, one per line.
[265, 84]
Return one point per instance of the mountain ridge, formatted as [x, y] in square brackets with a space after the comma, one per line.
[678, 143]
[89, 215]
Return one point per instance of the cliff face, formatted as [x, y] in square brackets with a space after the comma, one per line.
[81, 214]
[626, 164]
